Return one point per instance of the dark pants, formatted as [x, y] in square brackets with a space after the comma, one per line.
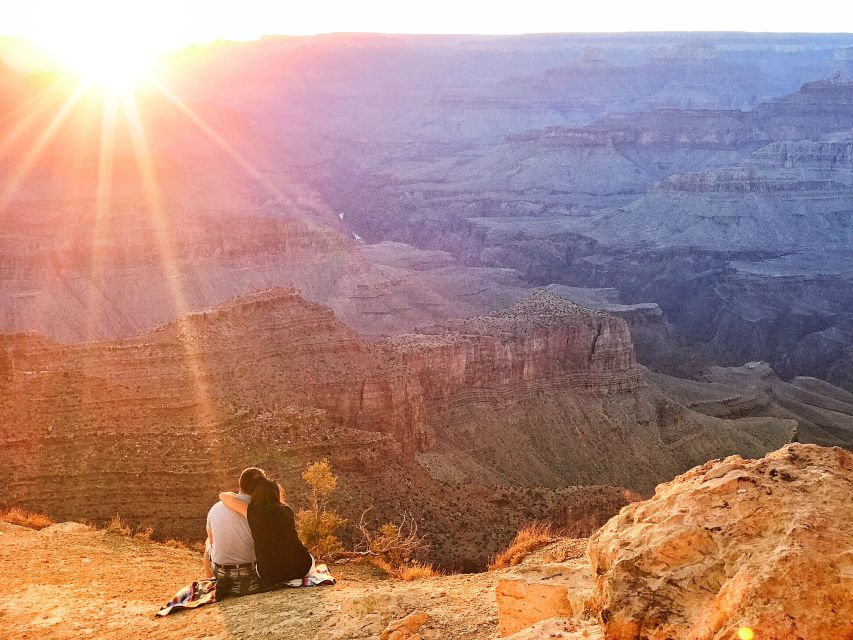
[236, 580]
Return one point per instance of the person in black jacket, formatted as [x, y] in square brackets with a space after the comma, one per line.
[280, 553]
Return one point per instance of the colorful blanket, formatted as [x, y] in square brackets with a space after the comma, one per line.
[318, 576]
[204, 591]
[193, 595]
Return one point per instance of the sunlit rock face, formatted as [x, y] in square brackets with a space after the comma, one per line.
[757, 544]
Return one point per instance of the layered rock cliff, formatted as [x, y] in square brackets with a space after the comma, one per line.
[544, 336]
[271, 377]
[530, 396]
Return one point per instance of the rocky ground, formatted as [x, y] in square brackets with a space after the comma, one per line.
[731, 545]
[69, 581]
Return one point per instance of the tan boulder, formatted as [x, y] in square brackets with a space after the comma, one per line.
[405, 628]
[529, 595]
[764, 545]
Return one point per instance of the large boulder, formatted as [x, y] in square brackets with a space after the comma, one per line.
[764, 545]
[532, 594]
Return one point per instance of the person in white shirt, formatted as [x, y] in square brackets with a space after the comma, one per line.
[229, 554]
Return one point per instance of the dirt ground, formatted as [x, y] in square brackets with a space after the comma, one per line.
[62, 582]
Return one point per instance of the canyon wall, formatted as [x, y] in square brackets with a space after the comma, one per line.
[530, 396]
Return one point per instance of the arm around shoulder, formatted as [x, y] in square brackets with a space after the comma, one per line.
[230, 500]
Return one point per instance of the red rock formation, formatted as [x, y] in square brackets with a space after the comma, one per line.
[542, 337]
[759, 544]
[89, 429]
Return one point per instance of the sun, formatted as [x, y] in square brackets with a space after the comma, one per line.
[111, 45]
[109, 60]
[109, 63]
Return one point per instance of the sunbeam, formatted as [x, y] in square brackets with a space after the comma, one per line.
[223, 144]
[45, 138]
[205, 415]
[103, 203]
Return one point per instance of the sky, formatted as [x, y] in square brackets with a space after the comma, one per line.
[179, 21]
[76, 33]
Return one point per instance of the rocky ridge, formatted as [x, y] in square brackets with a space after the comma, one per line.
[274, 379]
[762, 544]
[512, 408]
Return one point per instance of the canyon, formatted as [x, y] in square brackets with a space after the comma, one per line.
[493, 280]
[434, 178]
[597, 282]
[540, 407]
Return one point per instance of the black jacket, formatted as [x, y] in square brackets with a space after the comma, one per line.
[280, 553]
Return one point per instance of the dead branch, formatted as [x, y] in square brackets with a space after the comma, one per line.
[393, 541]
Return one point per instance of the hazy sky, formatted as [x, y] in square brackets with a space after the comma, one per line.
[198, 20]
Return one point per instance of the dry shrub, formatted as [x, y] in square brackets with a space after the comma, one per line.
[406, 572]
[394, 542]
[416, 571]
[119, 526]
[24, 518]
[532, 536]
[392, 546]
[143, 533]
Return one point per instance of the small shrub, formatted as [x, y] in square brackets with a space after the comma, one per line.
[392, 546]
[317, 524]
[531, 537]
[24, 518]
[406, 572]
[316, 530]
[143, 533]
[416, 571]
[119, 526]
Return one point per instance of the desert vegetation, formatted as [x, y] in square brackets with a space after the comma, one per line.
[318, 524]
[25, 518]
[391, 547]
[530, 537]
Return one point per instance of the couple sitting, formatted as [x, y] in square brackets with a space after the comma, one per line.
[252, 544]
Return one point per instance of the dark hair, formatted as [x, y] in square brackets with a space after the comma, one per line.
[249, 479]
[267, 491]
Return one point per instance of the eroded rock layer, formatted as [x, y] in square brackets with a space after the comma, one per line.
[543, 394]
[756, 544]
[98, 427]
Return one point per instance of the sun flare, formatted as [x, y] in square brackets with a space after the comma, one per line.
[110, 46]
[111, 61]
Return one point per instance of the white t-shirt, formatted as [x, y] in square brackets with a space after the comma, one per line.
[232, 538]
